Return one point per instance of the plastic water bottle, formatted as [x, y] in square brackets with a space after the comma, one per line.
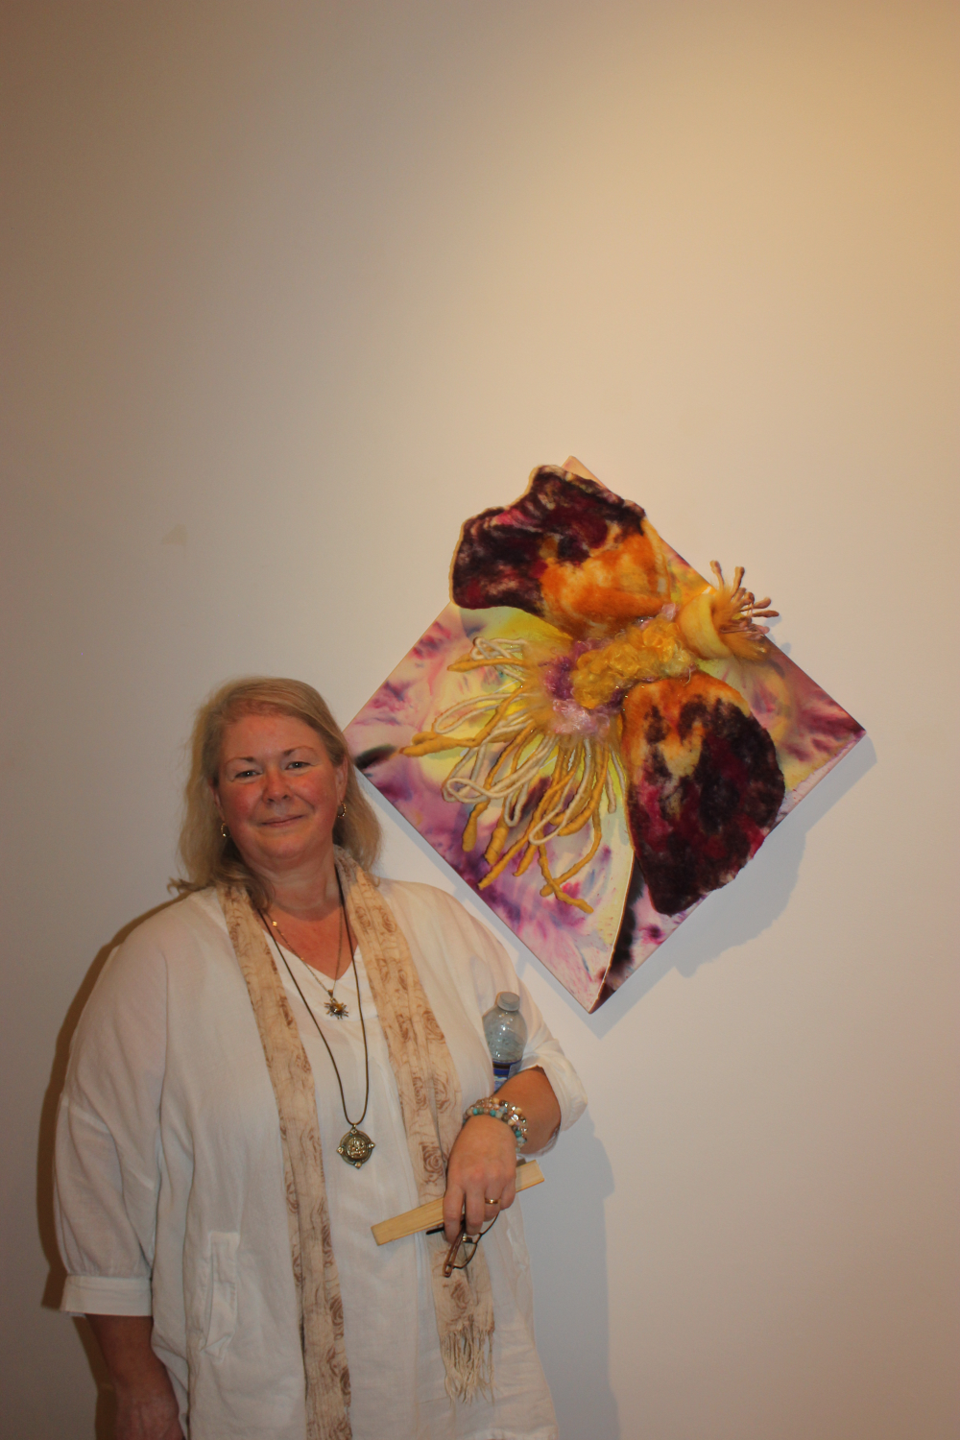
[506, 1033]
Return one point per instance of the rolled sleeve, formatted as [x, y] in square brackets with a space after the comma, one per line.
[107, 1171]
[108, 1272]
[564, 1080]
[106, 1295]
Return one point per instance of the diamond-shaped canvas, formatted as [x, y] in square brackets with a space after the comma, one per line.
[593, 735]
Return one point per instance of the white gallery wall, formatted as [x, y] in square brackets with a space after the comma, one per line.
[293, 289]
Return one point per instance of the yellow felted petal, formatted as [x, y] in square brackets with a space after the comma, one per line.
[699, 632]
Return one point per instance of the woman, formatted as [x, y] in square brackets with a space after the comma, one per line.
[286, 1017]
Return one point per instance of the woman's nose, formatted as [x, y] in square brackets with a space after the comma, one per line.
[274, 783]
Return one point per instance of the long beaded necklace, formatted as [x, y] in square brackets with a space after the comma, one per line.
[355, 1147]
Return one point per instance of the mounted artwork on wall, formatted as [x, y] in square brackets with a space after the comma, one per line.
[593, 735]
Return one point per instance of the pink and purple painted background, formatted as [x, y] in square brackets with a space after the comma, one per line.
[594, 943]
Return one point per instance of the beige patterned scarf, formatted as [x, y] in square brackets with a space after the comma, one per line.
[431, 1107]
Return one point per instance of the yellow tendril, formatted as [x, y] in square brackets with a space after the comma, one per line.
[513, 747]
[721, 620]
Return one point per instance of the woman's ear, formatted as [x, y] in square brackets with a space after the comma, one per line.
[216, 798]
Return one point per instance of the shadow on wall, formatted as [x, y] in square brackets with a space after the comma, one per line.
[742, 910]
[104, 1428]
[730, 916]
[568, 1250]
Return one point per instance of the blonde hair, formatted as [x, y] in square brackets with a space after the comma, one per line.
[210, 857]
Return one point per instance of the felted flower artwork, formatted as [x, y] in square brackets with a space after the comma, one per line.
[591, 734]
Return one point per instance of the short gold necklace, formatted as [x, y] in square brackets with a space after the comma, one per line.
[334, 1007]
[355, 1147]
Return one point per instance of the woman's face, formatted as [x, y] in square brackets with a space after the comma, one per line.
[278, 793]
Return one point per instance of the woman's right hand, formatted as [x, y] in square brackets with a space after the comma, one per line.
[147, 1407]
[154, 1416]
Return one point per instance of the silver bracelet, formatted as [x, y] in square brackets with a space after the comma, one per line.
[501, 1110]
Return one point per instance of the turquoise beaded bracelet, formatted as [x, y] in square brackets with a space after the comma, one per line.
[501, 1110]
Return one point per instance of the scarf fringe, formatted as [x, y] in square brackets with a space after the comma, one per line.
[468, 1364]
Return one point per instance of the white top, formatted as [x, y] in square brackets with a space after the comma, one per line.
[169, 1181]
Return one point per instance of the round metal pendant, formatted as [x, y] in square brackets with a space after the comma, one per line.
[337, 1009]
[355, 1147]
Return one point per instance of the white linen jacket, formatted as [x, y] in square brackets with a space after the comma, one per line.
[169, 1179]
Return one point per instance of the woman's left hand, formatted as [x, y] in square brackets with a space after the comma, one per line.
[483, 1162]
[482, 1168]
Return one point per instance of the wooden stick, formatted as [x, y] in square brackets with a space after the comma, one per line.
[426, 1216]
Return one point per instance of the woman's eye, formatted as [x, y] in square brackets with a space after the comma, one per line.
[297, 765]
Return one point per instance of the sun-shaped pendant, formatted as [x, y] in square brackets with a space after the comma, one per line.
[337, 1009]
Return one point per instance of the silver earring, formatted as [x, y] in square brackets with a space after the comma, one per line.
[223, 830]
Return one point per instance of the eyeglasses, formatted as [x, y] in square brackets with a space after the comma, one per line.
[464, 1248]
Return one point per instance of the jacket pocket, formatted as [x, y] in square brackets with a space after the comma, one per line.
[221, 1292]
